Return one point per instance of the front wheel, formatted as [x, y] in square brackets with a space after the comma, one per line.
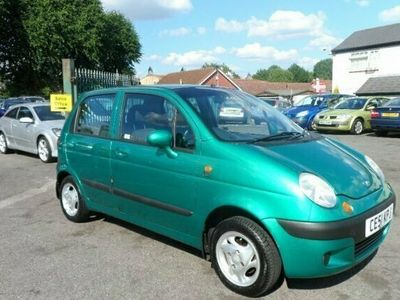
[72, 204]
[3, 144]
[357, 127]
[44, 150]
[245, 257]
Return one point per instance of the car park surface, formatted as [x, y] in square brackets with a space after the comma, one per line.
[350, 115]
[116, 137]
[47, 256]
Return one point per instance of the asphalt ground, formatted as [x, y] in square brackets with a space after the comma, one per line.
[44, 256]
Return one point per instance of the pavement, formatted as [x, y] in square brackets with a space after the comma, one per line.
[44, 256]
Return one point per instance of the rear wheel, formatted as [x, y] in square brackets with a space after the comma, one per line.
[72, 204]
[381, 133]
[357, 127]
[245, 257]
[3, 144]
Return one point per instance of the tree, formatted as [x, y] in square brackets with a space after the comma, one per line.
[46, 31]
[300, 74]
[223, 67]
[323, 69]
[274, 74]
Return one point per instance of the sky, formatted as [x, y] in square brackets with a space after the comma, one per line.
[246, 35]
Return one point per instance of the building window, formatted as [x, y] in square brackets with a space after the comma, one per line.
[364, 61]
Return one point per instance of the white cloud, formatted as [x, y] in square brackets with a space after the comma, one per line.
[181, 31]
[324, 41]
[307, 62]
[228, 26]
[282, 23]
[257, 51]
[219, 50]
[201, 30]
[363, 2]
[191, 58]
[148, 9]
[152, 57]
[391, 14]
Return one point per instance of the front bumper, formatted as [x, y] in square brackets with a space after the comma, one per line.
[318, 249]
[334, 125]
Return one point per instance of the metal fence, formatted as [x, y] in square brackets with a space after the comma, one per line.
[87, 80]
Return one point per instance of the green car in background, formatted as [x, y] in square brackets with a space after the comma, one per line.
[352, 115]
[261, 199]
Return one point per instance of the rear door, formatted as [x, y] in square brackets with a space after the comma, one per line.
[88, 146]
[7, 122]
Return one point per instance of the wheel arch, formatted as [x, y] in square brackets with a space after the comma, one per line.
[60, 177]
[218, 215]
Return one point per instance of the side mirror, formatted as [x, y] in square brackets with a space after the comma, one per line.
[26, 120]
[163, 140]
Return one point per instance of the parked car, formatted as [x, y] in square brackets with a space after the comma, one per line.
[386, 118]
[4, 105]
[279, 103]
[352, 115]
[248, 195]
[32, 98]
[231, 112]
[304, 111]
[31, 127]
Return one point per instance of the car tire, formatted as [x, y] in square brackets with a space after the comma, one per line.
[3, 144]
[357, 127]
[245, 257]
[72, 204]
[381, 133]
[44, 150]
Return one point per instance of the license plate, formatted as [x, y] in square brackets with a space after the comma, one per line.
[325, 122]
[390, 115]
[377, 222]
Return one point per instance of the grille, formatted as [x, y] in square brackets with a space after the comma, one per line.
[368, 242]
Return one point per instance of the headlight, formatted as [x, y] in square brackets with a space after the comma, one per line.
[302, 114]
[56, 131]
[375, 167]
[317, 190]
[343, 117]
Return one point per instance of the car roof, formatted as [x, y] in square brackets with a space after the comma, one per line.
[30, 104]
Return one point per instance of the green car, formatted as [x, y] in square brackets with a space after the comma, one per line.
[352, 115]
[261, 198]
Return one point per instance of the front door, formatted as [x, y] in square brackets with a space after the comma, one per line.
[156, 190]
[23, 132]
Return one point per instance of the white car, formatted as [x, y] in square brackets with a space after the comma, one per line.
[31, 127]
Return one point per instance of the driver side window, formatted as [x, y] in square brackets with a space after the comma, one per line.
[144, 114]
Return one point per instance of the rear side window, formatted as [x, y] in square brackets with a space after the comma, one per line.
[94, 115]
[12, 113]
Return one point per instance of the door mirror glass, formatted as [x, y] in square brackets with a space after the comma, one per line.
[26, 120]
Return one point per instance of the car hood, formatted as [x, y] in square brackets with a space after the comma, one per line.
[293, 111]
[338, 112]
[347, 174]
[52, 124]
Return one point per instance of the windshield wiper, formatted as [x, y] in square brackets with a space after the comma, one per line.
[286, 135]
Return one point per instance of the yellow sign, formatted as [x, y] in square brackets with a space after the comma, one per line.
[61, 102]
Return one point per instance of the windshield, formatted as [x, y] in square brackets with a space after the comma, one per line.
[352, 103]
[314, 100]
[237, 117]
[393, 103]
[44, 113]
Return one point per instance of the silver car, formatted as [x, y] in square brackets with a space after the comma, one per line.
[31, 127]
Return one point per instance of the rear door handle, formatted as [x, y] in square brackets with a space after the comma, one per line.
[120, 153]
